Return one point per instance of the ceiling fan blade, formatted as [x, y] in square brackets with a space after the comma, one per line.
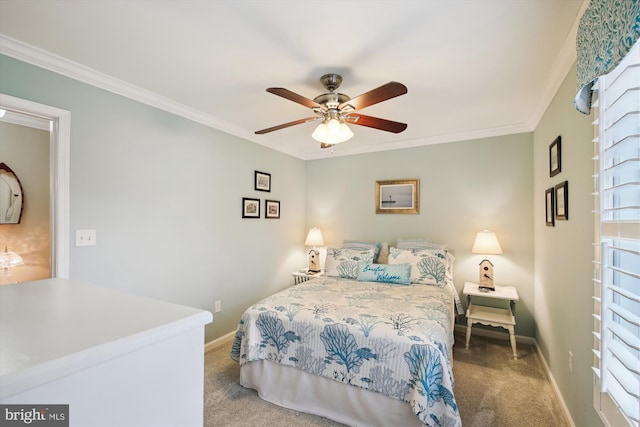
[292, 96]
[382, 93]
[375, 122]
[324, 145]
[286, 125]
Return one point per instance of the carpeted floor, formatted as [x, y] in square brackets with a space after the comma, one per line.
[491, 390]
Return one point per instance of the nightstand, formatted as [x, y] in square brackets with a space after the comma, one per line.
[303, 275]
[498, 317]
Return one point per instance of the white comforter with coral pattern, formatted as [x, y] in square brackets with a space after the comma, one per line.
[392, 339]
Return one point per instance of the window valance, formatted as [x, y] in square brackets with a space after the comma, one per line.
[608, 29]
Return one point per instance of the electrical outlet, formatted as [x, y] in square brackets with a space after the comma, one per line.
[85, 238]
[218, 307]
[571, 362]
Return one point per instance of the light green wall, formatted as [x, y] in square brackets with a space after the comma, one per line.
[464, 187]
[563, 254]
[165, 196]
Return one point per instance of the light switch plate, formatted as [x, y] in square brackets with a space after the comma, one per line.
[85, 238]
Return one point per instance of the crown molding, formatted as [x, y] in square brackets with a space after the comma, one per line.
[346, 150]
[49, 61]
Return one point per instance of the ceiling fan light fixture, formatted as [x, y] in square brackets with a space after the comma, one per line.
[336, 110]
[332, 131]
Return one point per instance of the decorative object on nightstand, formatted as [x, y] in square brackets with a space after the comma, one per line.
[314, 238]
[499, 317]
[486, 243]
[8, 260]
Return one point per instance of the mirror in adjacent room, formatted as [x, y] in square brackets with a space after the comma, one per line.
[11, 196]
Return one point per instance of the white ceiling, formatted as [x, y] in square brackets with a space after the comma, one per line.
[473, 68]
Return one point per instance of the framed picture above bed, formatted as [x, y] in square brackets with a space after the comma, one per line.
[398, 196]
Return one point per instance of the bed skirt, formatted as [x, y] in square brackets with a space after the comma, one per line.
[294, 389]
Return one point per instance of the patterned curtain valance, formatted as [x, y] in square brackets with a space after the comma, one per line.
[606, 33]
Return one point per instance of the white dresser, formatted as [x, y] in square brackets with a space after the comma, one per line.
[117, 359]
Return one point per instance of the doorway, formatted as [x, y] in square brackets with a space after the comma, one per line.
[59, 147]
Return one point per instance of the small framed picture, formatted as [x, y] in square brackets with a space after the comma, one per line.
[555, 159]
[549, 199]
[562, 201]
[250, 208]
[272, 209]
[399, 196]
[262, 181]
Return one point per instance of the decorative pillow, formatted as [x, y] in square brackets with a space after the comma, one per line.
[363, 246]
[341, 262]
[428, 266]
[399, 273]
[419, 244]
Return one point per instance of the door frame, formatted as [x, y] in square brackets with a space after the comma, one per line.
[59, 156]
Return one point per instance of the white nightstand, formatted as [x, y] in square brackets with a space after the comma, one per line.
[303, 276]
[499, 317]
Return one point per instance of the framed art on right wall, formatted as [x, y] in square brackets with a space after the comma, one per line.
[555, 159]
[549, 198]
[562, 200]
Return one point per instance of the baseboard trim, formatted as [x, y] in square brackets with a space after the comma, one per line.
[554, 385]
[213, 344]
[525, 340]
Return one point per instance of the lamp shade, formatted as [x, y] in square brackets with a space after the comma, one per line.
[486, 243]
[314, 238]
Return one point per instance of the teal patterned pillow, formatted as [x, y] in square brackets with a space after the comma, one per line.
[399, 273]
[363, 246]
[343, 262]
[428, 266]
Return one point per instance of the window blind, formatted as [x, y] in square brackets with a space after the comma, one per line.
[617, 247]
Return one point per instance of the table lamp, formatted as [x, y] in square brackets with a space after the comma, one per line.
[314, 238]
[8, 260]
[486, 243]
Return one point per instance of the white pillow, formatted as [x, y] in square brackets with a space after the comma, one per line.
[342, 262]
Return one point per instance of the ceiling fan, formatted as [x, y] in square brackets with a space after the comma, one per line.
[337, 109]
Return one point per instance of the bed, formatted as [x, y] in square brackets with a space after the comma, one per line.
[367, 344]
